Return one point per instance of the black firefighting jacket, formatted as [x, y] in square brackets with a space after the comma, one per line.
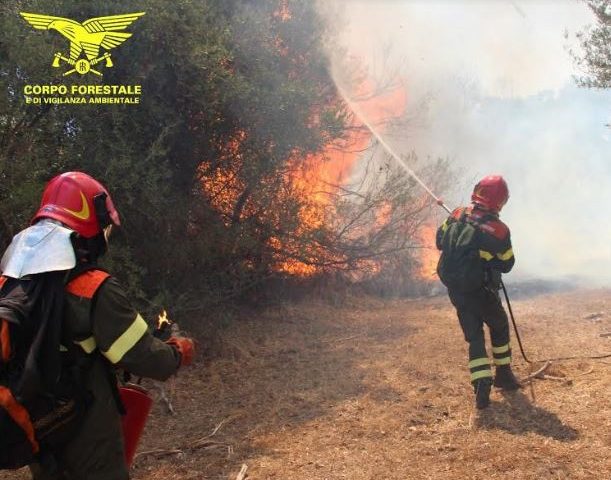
[101, 317]
[495, 249]
[104, 324]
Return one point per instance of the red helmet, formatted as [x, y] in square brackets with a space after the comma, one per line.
[79, 202]
[491, 193]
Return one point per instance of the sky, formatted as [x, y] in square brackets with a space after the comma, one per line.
[490, 86]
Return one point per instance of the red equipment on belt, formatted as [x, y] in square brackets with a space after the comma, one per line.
[137, 403]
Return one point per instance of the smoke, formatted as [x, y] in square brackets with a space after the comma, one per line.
[490, 86]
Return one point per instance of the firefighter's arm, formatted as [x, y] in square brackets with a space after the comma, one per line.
[124, 338]
[503, 261]
[497, 251]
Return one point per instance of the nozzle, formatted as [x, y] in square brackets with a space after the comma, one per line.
[439, 202]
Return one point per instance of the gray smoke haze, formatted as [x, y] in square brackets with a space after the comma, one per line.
[490, 87]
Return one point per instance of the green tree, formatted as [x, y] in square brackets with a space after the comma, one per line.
[229, 88]
[212, 171]
[596, 45]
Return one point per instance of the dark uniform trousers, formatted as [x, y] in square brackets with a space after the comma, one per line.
[96, 452]
[483, 306]
[475, 309]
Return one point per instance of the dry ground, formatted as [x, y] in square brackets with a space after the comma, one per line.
[379, 390]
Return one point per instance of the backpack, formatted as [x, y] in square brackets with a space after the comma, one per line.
[460, 267]
[42, 372]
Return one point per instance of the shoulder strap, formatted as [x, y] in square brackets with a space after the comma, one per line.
[87, 283]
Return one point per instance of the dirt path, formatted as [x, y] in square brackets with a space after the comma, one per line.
[379, 390]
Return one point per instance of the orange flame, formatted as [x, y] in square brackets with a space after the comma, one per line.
[163, 320]
[383, 215]
[322, 175]
[427, 268]
[315, 180]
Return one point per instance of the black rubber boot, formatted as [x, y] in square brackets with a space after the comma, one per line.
[505, 378]
[482, 392]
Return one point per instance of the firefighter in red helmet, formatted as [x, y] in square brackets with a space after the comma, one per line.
[69, 233]
[476, 251]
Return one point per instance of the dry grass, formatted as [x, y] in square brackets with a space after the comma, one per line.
[379, 390]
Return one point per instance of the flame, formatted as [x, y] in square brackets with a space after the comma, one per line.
[322, 175]
[163, 320]
[383, 215]
[427, 261]
[315, 180]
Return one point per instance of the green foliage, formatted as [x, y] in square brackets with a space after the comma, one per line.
[211, 72]
[210, 172]
[596, 46]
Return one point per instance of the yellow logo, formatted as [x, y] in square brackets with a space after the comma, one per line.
[88, 37]
[83, 214]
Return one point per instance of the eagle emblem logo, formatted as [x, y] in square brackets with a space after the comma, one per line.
[88, 37]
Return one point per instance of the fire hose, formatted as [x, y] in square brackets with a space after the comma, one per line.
[515, 326]
[439, 202]
[526, 359]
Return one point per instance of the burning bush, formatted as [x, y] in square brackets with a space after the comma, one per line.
[238, 165]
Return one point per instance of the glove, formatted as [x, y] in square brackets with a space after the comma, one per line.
[186, 348]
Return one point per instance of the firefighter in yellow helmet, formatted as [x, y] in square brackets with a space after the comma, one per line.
[69, 233]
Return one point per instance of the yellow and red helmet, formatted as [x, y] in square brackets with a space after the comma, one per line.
[80, 202]
[491, 193]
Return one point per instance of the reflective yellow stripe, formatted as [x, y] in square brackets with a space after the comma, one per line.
[505, 256]
[501, 349]
[88, 344]
[502, 361]
[127, 340]
[478, 362]
[444, 226]
[485, 255]
[481, 374]
[62, 348]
